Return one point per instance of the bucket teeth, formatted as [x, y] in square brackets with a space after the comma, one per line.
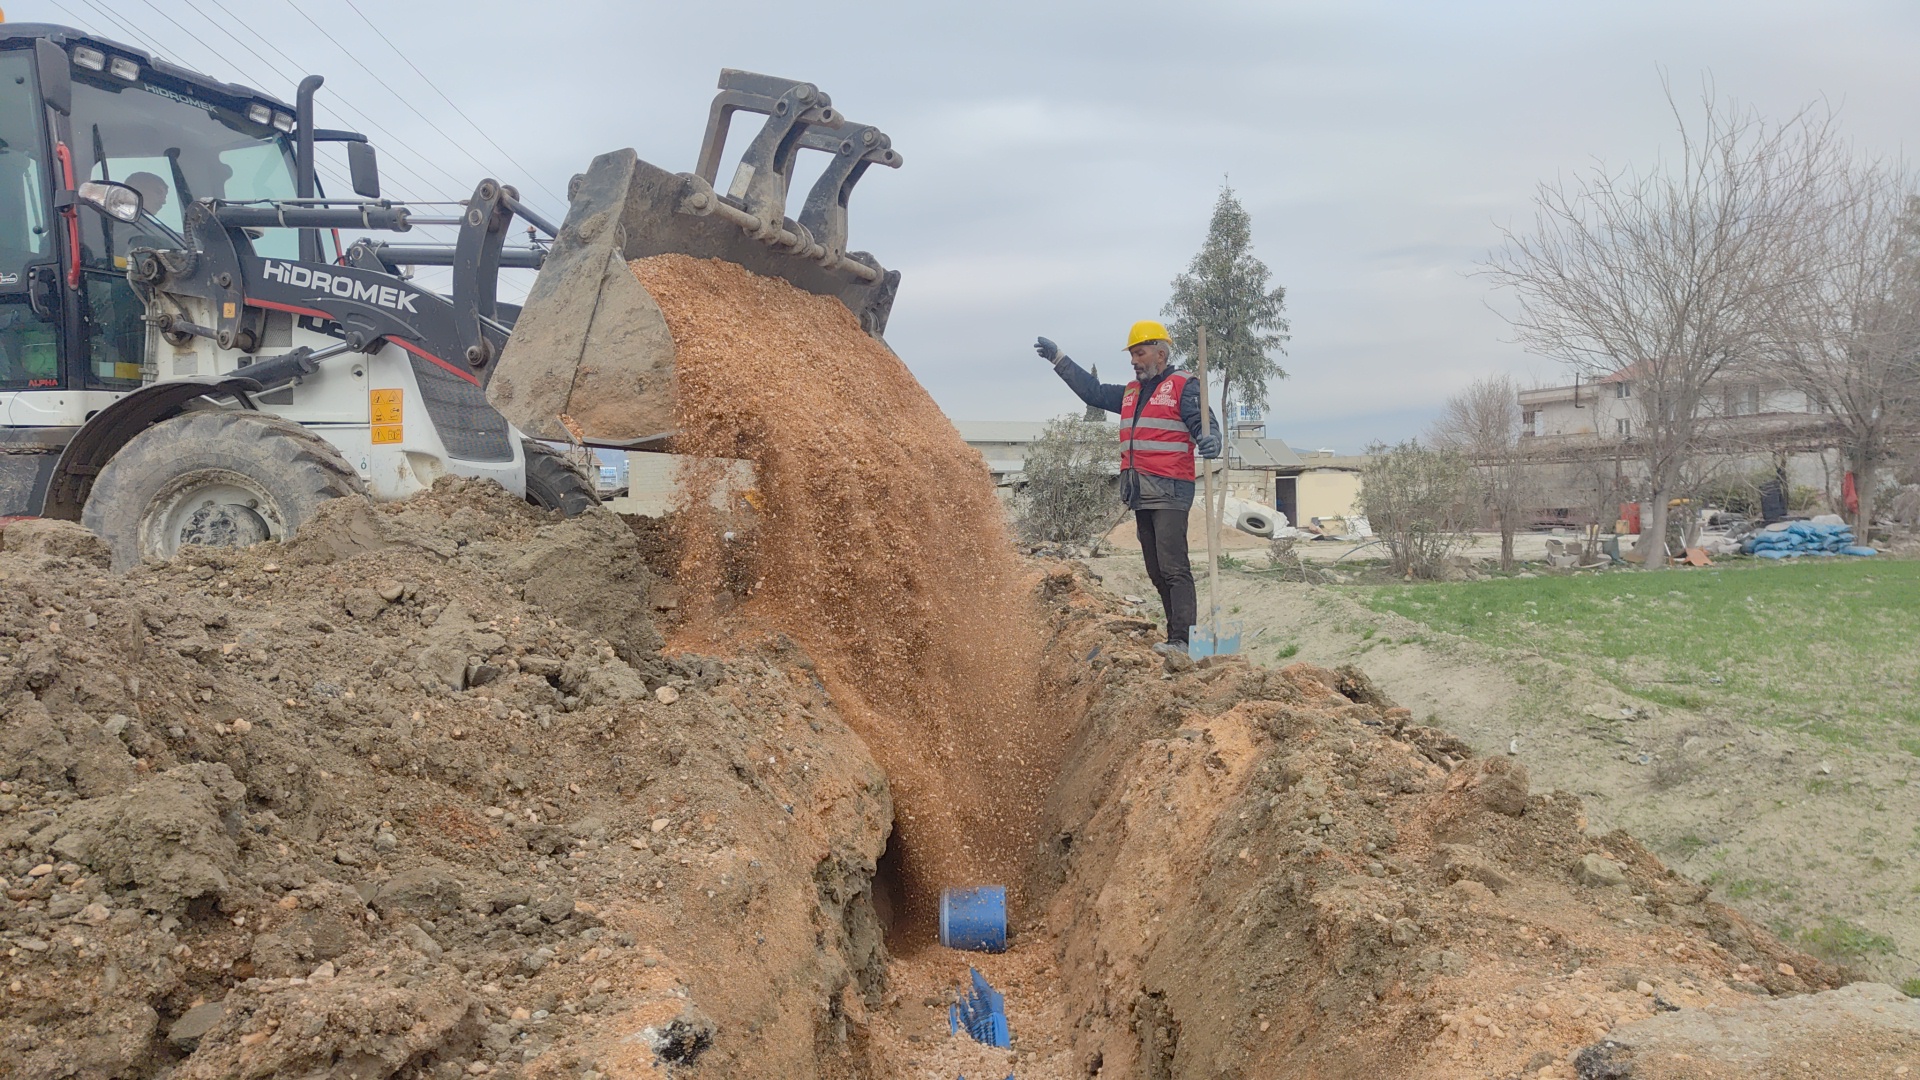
[590, 358]
[824, 214]
[798, 117]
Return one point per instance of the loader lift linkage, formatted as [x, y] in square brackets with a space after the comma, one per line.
[363, 303]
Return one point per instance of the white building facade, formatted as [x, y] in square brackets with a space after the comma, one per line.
[1586, 439]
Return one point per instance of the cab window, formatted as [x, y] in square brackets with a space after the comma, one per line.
[29, 348]
[173, 149]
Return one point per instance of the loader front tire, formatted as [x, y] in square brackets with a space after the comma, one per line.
[554, 483]
[218, 477]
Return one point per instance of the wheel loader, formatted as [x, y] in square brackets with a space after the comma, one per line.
[190, 354]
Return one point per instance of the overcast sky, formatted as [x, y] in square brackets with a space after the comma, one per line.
[1062, 159]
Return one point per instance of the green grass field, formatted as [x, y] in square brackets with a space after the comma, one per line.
[1826, 646]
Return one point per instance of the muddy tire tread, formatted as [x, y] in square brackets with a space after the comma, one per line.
[272, 443]
[554, 483]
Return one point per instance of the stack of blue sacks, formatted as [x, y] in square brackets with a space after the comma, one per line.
[1804, 538]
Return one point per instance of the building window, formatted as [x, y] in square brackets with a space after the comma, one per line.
[1623, 428]
[1813, 403]
[1623, 389]
[1530, 422]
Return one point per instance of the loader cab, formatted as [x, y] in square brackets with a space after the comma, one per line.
[75, 108]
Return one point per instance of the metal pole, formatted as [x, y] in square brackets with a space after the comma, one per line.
[1212, 515]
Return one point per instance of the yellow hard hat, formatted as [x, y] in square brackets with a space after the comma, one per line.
[1147, 330]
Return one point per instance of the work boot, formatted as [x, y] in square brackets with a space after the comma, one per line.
[1174, 657]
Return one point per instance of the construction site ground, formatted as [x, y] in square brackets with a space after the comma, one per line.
[451, 788]
[1768, 751]
[273, 839]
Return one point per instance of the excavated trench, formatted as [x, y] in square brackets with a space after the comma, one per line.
[417, 797]
[1244, 872]
[1221, 872]
[423, 794]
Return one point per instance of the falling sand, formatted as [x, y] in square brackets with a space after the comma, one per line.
[878, 544]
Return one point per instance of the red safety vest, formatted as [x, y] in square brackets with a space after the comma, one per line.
[1153, 438]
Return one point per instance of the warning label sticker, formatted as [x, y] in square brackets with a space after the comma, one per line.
[384, 407]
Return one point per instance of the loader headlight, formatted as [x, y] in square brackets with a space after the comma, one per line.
[91, 59]
[259, 114]
[117, 201]
[283, 122]
[122, 68]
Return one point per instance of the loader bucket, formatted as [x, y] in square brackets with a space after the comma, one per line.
[590, 358]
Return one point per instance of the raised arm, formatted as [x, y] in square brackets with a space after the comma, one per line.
[1090, 390]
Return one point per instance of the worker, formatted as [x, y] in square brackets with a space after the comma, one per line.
[152, 189]
[1159, 435]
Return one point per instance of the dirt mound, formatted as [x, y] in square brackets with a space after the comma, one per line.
[879, 545]
[414, 796]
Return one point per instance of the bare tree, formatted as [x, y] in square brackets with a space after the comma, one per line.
[1420, 501]
[1850, 340]
[1482, 424]
[1602, 480]
[1666, 277]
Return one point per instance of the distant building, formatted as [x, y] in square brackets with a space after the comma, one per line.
[1322, 485]
[1255, 465]
[1742, 414]
[1587, 439]
[1004, 445]
[1258, 469]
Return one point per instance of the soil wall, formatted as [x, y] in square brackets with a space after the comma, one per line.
[416, 797]
[1265, 872]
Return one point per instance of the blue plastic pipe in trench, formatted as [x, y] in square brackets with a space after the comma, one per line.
[974, 919]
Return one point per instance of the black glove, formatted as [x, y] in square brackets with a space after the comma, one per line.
[1208, 445]
[1047, 349]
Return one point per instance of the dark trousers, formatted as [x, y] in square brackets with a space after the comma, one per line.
[1163, 542]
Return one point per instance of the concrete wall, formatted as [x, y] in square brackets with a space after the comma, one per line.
[1328, 493]
[1253, 485]
[654, 482]
[1598, 413]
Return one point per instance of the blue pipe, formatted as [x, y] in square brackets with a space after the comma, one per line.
[974, 919]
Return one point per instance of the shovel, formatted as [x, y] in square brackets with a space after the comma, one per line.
[1211, 635]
